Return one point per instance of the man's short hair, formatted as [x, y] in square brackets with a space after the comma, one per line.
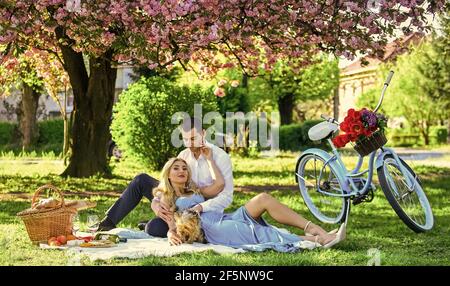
[191, 122]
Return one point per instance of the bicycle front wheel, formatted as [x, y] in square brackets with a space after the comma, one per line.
[408, 201]
[314, 175]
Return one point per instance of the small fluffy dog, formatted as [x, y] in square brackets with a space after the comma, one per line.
[188, 226]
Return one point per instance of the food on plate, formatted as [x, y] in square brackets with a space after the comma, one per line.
[98, 243]
[86, 238]
[62, 239]
[53, 241]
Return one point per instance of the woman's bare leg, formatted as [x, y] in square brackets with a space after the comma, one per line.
[283, 214]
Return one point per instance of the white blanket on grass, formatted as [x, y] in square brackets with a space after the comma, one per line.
[140, 245]
[139, 248]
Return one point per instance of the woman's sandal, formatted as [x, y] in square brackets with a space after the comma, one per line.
[340, 236]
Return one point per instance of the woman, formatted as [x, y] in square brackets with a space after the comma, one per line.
[243, 228]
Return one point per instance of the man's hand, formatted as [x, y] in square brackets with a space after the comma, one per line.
[198, 208]
[173, 237]
[206, 152]
[162, 210]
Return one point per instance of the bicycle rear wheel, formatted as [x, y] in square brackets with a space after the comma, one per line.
[313, 174]
[409, 202]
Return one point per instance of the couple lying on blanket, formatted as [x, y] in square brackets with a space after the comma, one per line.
[194, 190]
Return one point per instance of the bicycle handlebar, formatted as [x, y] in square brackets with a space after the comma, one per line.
[329, 118]
[389, 77]
[386, 83]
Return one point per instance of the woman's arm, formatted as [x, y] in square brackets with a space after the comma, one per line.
[172, 235]
[219, 183]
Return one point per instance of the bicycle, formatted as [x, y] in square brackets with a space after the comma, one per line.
[328, 188]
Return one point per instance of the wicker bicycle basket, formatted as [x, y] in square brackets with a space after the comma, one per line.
[371, 143]
[41, 224]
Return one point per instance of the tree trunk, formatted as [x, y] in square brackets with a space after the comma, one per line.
[93, 102]
[426, 138]
[66, 126]
[244, 81]
[66, 135]
[286, 107]
[336, 104]
[425, 134]
[27, 120]
[448, 130]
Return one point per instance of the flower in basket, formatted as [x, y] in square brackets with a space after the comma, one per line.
[358, 125]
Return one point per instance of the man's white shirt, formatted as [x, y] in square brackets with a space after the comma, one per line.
[203, 176]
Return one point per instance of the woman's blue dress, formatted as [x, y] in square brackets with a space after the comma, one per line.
[239, 230]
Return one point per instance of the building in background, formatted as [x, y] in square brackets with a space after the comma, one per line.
[48, 108]
[355, 78]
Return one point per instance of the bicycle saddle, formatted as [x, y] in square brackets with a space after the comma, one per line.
[322, 130]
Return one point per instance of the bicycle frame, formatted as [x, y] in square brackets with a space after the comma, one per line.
[349, 188]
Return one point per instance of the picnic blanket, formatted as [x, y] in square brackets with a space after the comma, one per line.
[139, 244]
[139, 248]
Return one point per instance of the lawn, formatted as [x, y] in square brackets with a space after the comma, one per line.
[371, 225]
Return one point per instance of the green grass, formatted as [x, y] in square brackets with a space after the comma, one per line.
[372, 225]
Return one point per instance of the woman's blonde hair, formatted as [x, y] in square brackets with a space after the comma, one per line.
[165, 187]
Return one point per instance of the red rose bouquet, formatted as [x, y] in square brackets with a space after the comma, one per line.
[359, 125]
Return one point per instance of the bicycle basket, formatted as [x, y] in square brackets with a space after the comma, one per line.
[369, 144]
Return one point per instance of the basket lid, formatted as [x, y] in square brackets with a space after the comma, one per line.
[75, 205]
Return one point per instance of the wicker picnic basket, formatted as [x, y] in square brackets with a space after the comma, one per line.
[41, 224]
[371, 143]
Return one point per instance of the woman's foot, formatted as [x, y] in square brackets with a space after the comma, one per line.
[326, 238]
[314, 230]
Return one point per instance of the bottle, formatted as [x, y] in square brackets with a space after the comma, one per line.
[106, 236]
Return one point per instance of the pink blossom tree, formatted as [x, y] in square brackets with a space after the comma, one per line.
[19, 74]
[159, 33]
[33, 72]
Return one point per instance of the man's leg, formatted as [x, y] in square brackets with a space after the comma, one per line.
[141, 186]
[157, 227]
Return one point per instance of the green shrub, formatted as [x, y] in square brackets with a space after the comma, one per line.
[403, 137]
[236, 99]
[243, 145]
[51, 132]
[439, 134]
[294, 137]
[6, 132]
[141, 124]
[290, 137]
[51, 136]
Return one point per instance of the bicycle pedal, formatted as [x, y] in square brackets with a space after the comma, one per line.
[357, 200]
[367, 198]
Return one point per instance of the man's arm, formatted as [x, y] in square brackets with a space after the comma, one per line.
[161, 210]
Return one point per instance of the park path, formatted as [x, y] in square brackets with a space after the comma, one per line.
[112, 194]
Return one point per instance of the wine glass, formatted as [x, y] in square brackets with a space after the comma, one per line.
[92, 223]
[76, 224]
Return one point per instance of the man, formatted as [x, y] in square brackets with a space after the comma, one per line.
[202, 174]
